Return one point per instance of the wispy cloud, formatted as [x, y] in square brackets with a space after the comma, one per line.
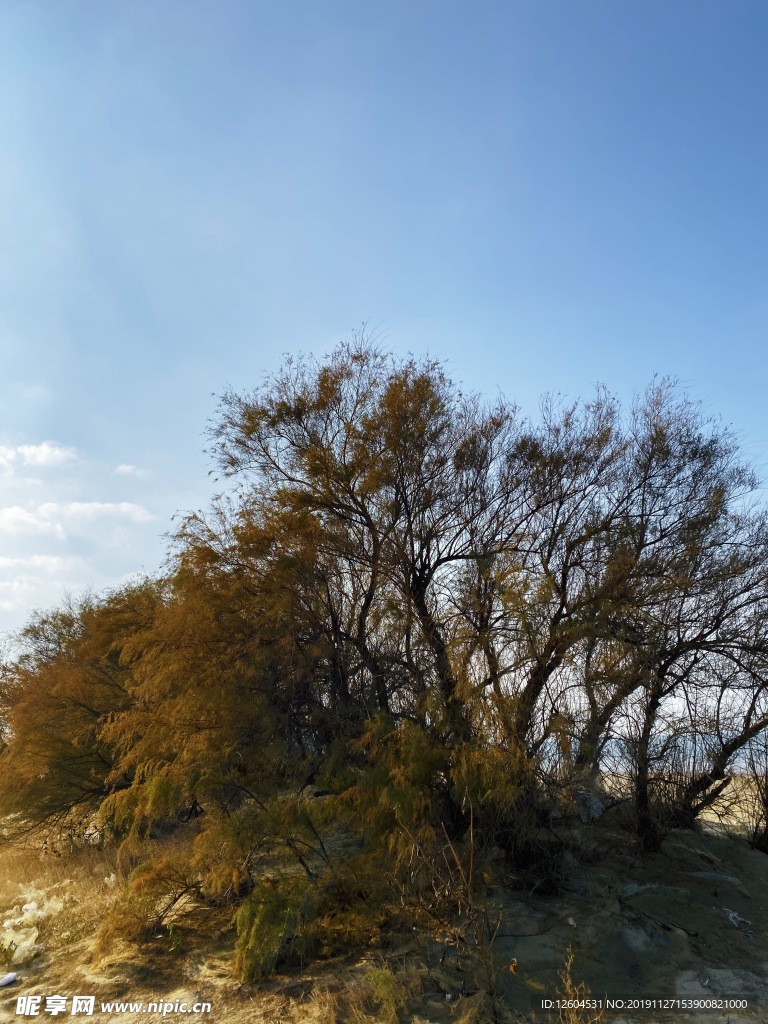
[127, 469]
[34, 581]
[64, 526]
[16, 520]
[58, 518]
[42, 455]
[99, 509]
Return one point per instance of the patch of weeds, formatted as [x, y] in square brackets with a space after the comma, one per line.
[575, 998]
[6, 953]
[382, 996]
[175, 941]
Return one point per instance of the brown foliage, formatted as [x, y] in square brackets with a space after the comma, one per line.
[413, 617]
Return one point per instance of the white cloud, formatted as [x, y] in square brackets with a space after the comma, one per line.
[44, 454]
[15, 520]
[59, 518]
[126, 469]
[37, 582]
[99, 509]
[57, 538]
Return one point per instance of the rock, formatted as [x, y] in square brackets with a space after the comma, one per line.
[718, 876]
[590, 806]
[632, 888]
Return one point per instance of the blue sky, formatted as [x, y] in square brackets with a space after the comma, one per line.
[545, 194]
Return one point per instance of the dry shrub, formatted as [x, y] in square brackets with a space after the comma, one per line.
[363, 995]
[382, 996]
[157, 890]
[6, 954]
[575, 994]
[271, 926]
[377, 996]
[126, 922]
[323, 1008]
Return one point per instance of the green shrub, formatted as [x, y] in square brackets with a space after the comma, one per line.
[271, 926]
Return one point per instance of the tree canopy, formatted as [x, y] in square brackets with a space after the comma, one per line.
[434, 612]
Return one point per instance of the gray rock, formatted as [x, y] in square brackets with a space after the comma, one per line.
[590, 806]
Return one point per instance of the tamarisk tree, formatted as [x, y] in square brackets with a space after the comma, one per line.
[442, 615]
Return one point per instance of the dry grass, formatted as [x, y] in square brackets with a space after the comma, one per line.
[80, 885]
[78, 890]
[574, 995]
[361, 995]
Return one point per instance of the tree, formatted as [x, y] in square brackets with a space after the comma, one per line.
[408, 482]
[590, 565]
[69, 678]
[444, 618]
